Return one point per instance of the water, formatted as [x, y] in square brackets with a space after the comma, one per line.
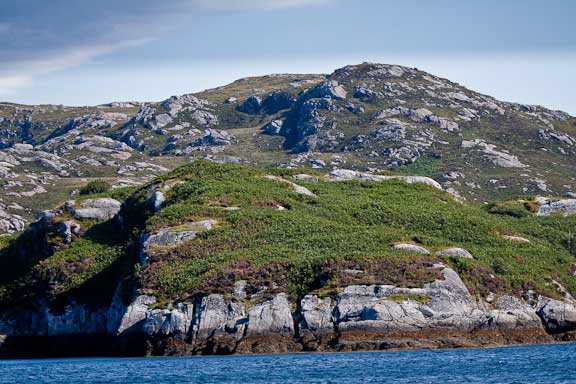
[527, 364]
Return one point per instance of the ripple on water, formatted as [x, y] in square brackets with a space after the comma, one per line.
[526, 364]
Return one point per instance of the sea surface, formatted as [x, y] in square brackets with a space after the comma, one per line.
[526, 364]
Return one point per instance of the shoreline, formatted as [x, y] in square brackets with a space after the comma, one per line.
[99, 346]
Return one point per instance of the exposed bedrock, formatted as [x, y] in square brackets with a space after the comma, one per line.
[439, 314]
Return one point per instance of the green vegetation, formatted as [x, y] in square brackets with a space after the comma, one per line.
[95, 186]
[425, 166]
[341, 237]
[516, 207]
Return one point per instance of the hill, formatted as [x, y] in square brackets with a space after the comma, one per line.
[223, 258]
[367, 117]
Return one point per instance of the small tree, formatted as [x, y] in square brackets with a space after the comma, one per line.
[571, 245]
[94, 187]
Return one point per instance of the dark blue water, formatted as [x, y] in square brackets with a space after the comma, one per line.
[529, 364]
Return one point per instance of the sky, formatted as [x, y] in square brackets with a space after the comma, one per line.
[86, 52]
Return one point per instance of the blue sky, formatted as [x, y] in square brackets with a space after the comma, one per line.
[88, 52]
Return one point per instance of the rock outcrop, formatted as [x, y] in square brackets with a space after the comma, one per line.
[454, 252]
[172, 237]
[565, 207]
[97, 209]
[558, 316]
[346, 175]
[358, 317]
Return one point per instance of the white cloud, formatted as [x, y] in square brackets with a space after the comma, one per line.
[11, 84]
[18, 74]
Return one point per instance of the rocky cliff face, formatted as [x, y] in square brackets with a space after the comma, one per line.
[439, 314]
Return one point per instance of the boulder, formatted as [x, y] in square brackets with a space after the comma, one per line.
[512, 313]
[250, 106]
[411, 248]
[367, 94]
[170, 237]
[97, 209]
[516, 239]
[240, 289]
[346, 175]
[169, 322]
[134, 316]
[455, 252]
[220, 317]
[10, 223]
[366, 308]
[557, 316]
[271, 318]
[329, 89]
[273, 128]
[68, 229]
[316, 315]
[214, 137]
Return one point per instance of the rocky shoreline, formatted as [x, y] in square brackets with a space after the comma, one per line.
[441, 314]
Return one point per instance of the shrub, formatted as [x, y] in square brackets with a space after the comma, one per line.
[302, 279]
[509, 208]
[94, 187]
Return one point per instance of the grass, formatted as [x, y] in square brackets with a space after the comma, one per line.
[320, 244]
[424, 166]
[349, 221]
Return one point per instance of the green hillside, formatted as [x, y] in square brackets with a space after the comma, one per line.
[270, 235]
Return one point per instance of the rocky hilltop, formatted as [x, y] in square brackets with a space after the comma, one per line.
[369, 118]
[219, 258]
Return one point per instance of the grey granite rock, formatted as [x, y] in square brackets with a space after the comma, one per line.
[68, 230]
[565, 207]
[273, 128]
[512, 313]
[345, 175]
[557, 316]
[316, 315]
[250, 106]
[171, 237]
[176, 321]
[218, 316]
[330, 89]
[411, 248]
[271, 318]
[97, 209]
[455, 252]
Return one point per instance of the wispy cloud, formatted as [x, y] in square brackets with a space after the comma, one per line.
[43, 37]
[9, 85]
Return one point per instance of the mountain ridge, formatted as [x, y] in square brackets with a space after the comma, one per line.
[368, 117]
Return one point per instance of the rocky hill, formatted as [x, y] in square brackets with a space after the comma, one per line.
[225, 258]
[370, 117]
